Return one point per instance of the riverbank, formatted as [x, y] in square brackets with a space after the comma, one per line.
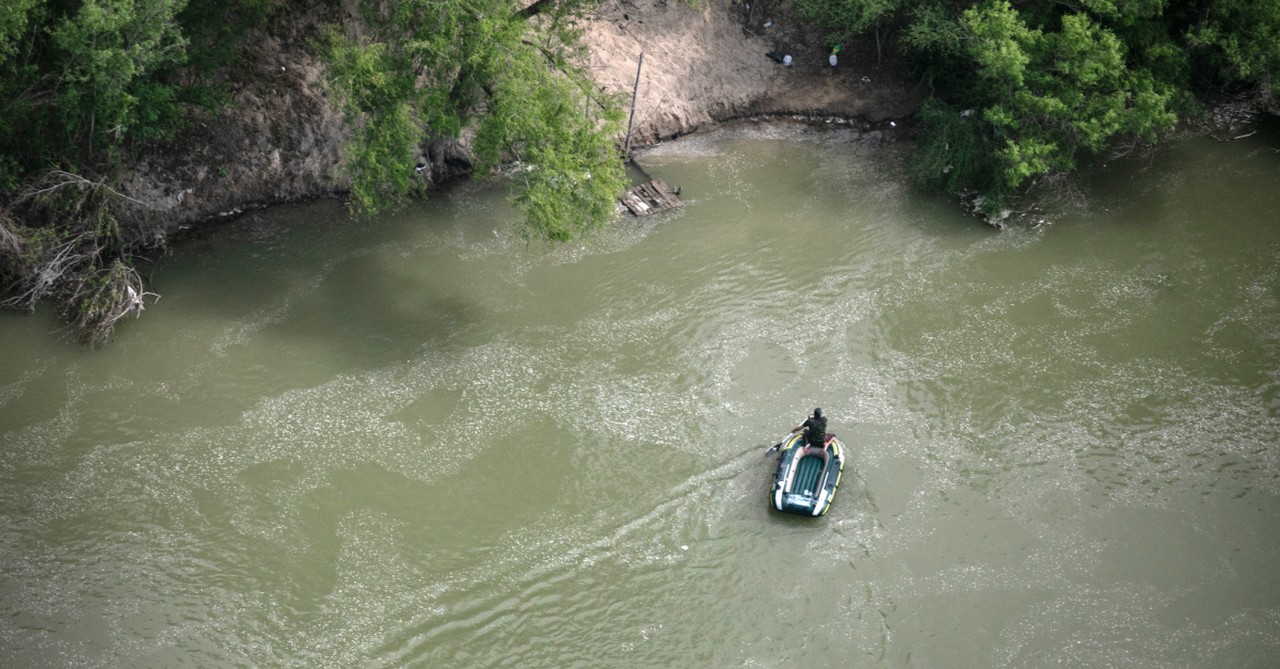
[280, 136]
[706, 66]
[278, 132]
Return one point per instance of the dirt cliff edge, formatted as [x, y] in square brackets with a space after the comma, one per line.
[279, 137]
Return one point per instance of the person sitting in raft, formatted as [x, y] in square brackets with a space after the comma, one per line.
[815, 429]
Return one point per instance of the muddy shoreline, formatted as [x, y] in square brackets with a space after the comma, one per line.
[279, 137]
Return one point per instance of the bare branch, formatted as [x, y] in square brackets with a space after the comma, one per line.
[58, 179]
[49, 270]
[10, 242]
[104, 297]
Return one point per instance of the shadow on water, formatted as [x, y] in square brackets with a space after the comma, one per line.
[316, 284]
[365, 315]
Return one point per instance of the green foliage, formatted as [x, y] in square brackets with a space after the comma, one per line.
[569, 174]
[431, 67]
[933, 32]
[81, 80]
[379, 84]
[1052, 95]
[847, 18]
[106, 53]
[81, 77]
[16, 16]
[1238, 40]
[215, 28]
[1050, 82]
[953, 155]
[21, 25]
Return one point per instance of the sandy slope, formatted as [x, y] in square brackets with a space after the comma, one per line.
[703, 66]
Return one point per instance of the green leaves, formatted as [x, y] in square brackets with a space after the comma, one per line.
[1043, 84]
[847, 18]
[1238, 39]
[79, 78]
[109, 49]
[15, 18]
[952, 154]
[1051, 95]
[1001, 44]
[81, 82]
[435, 67]
[1046, 96]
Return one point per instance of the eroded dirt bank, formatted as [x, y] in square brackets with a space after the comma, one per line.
[705, 66]
[279, 137]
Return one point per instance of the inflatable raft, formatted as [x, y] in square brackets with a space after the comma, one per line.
[807, 477]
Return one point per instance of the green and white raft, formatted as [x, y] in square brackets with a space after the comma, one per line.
[807, 477]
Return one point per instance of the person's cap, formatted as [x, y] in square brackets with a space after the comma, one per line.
[817, 413]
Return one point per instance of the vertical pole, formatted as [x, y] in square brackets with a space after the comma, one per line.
[627, 147]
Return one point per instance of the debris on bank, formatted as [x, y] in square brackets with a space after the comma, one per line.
[650, 197]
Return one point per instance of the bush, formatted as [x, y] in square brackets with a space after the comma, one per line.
[952, 157]
[1052, 83]
[429, 68]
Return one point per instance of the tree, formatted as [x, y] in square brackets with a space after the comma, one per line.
[107, 52]
[1052, 95]
[849, 18]
[1239, 40]
[430, 68]
[15, 17]
[78, 82]
[16, 75]
[79, 78]
[1028, 90]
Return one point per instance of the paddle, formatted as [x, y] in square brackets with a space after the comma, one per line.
[778, 445]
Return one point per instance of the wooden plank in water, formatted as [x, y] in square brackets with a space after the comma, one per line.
[649, 197]
[637, 206]
[658, 193]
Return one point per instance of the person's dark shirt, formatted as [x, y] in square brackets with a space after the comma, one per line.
[815, 430]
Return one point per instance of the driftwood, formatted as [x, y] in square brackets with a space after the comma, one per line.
[81, 256]
[649, 197]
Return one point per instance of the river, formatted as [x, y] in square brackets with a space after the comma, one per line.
[424, 442]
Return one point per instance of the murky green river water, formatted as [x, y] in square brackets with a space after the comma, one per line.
[421, 442]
